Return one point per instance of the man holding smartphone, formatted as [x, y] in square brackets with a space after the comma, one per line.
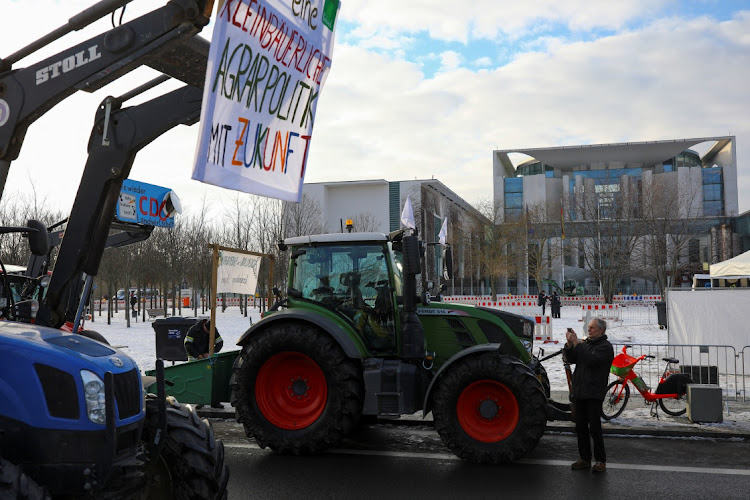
[593, 358]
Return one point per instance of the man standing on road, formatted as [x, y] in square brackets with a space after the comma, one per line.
[593, 358]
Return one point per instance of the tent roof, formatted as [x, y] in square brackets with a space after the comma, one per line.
[739, 265]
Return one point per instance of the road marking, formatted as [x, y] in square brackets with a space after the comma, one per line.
[524, 461]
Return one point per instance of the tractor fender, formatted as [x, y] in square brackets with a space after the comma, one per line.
[350, 347]
[459, 355]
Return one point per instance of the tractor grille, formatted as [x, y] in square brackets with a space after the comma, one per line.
[59, 391]
[127, 394]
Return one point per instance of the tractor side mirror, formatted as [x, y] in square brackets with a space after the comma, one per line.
[411, 255]
[38, 239]
[448, 259]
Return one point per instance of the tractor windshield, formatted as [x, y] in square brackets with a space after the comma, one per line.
[352, 280]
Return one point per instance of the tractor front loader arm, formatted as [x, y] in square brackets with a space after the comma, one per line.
[160, 39]
[110, 159]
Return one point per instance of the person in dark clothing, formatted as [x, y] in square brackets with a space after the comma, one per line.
[542, 301]
[196, 344]
[593, 358]
[133, 301]
[197, 338]
[555, 304]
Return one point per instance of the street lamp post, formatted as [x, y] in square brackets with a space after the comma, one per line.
[599, 243]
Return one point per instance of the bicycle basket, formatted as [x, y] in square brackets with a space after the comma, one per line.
[622, 364]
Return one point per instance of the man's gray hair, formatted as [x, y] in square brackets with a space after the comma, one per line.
[601, 324]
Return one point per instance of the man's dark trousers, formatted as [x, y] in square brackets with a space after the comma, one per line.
[588, 413]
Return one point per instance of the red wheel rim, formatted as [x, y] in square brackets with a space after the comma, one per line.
[291, 390]
[487, 411]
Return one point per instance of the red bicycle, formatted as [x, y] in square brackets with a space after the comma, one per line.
[670, 393]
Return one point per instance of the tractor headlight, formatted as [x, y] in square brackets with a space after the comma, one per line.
[527, 345]
[93, 390]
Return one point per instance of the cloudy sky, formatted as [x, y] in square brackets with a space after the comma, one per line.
[425, 89]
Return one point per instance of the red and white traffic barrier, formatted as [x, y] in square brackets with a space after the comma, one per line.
[603, 311]
[543, 330]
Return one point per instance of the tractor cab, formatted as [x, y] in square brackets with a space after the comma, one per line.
[357, 278]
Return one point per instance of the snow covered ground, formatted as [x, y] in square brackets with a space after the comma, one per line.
[638, 326]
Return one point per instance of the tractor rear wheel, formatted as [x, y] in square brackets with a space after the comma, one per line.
[490, 409]
[17, 485]
[294, 389]
[191, 462]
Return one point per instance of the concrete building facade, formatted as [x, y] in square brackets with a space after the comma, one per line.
[376, 205]
[615, 182]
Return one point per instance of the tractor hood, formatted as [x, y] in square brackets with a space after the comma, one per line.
[49, 342]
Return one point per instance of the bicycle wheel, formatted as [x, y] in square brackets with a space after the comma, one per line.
[615, 400]
[674, 406]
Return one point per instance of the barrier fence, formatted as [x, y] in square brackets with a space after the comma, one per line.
[745, 363]
[706, 364]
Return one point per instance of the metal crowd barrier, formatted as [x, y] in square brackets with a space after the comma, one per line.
[706, 364]
[745, 364]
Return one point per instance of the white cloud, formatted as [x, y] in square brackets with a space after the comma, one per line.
[380, 117]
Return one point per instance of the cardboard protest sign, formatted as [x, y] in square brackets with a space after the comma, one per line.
[267, 64]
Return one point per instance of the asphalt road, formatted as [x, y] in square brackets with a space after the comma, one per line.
[394, 461]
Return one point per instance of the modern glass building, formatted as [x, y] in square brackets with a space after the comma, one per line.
[621, 181]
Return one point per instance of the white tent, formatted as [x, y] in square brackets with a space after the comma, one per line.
[736, 266]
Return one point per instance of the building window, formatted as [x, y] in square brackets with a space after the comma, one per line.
[713, 192]
[513, 191]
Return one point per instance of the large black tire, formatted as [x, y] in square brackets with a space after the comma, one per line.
[295, 390]
[615, 400]
[93, 335]
[191, 462]
[490, 409]
[14, 484]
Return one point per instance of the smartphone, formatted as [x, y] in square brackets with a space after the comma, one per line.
[571, 330]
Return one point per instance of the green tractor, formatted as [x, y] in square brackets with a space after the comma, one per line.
[353, 339]
[570, 288]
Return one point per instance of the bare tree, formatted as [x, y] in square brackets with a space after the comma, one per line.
[305, 217]
[607, 232]
[500, 244]
[365, 222]
[668, 212]
[542, 253]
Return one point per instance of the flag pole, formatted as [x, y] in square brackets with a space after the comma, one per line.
[214, 267]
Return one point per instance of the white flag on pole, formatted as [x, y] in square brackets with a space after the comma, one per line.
[444, 231]
[407, 215]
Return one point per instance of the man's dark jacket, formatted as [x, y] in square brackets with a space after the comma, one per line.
[592, 358]
[196, 340]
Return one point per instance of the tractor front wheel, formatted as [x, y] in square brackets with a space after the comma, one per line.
[490, 409]
[294, 389]
[191, 462]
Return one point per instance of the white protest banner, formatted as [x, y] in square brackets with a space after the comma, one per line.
[267, 64]
[237, 273]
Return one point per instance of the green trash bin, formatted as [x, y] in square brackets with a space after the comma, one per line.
[205, 381]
